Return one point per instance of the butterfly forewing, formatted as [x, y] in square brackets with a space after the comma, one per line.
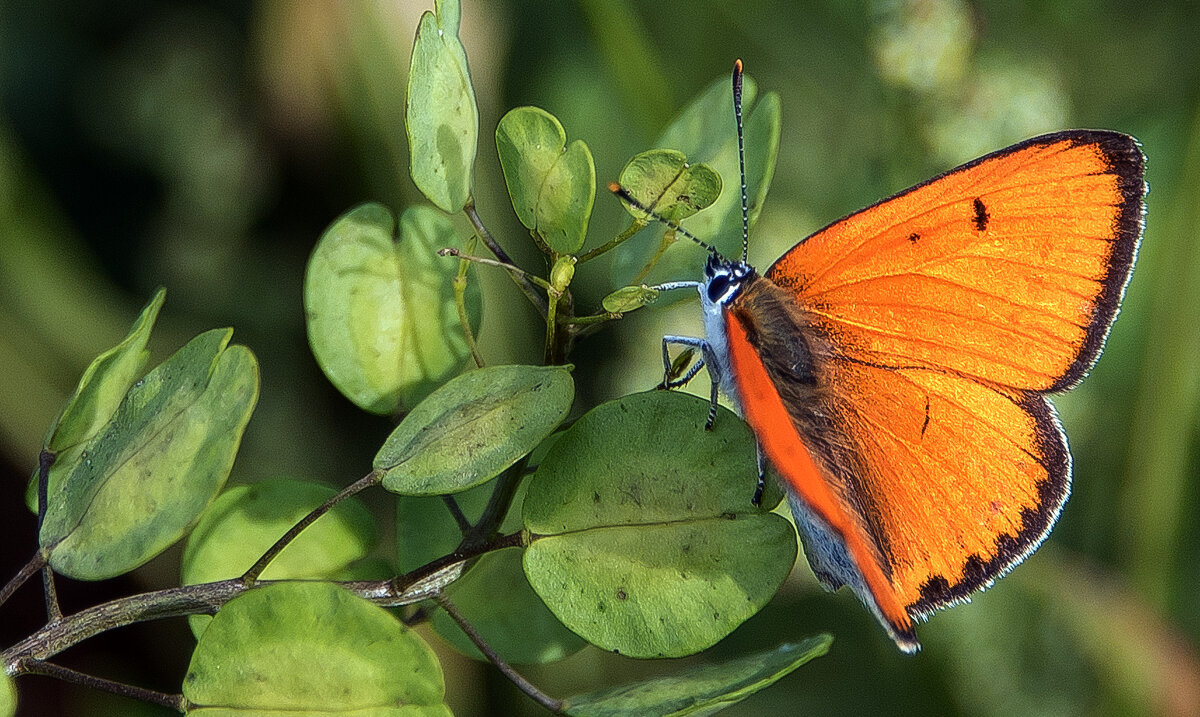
[1008, 269]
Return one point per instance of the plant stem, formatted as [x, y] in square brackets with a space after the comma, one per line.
[633, 228]
[45, 461]
[251, 575]
[66, 674]
[551, 327]
[512, 269]
[543, 699]
[456, 512]
[36, 563]
[73, 629]
[596, 318]
[668, 238]
[207, 598]
[53, 610]
[460, 304]
[497, 507]
[522, 279]
[466, 550]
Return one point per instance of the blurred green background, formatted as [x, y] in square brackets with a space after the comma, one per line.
[204, 146]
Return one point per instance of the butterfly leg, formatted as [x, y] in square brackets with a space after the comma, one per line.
[756, 501]
[712, 401]
[706, 359]
[690, 342]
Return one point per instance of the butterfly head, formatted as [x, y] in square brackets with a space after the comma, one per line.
[723, 281]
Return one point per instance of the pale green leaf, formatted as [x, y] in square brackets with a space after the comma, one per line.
[441, 117]
[472, 428]
[381, 315]
[143, 479]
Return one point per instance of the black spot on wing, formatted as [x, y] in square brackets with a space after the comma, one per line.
[981, 215]
[925, 423]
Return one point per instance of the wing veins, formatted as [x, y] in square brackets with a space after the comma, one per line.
[943, 280]
[958, 349]
[957, 404]
[1042, 337]
[966, 289]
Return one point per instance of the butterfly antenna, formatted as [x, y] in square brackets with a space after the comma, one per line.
[737, 113]
[624, 194]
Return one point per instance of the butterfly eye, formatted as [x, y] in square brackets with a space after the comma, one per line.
[717, 286]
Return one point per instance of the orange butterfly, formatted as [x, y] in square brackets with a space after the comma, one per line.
[894, 366]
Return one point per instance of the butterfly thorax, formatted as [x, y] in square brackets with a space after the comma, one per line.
[774, 323]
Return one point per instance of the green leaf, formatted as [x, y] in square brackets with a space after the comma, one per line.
[705, 133]
[702, 690]
[440, 115]
[382, 321]
[104, 383]
[143, 479]
[311, 649]
[645, 540]
[8, 696]
[662, 180]
[552, 184]
[495, 596]
[472, 428]
[629, 298]
[97, 396]
[246, 520]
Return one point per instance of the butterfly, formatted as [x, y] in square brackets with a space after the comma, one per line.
[895, 365]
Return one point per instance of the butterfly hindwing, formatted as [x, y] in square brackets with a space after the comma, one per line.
[962, 479]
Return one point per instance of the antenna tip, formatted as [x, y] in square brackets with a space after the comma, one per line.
[737, 66]
[614, 187]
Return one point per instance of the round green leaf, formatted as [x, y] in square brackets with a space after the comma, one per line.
[529, 140]
[139, 483]
[552, 185]
[8, 696]
[662, 180]
[472, 428]
[495, 596]
[645, 539]
[246, 520]
[309, 649]
[628, 298]
[440, 116]
[702, 690]
[704, 133]
[382, 321]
